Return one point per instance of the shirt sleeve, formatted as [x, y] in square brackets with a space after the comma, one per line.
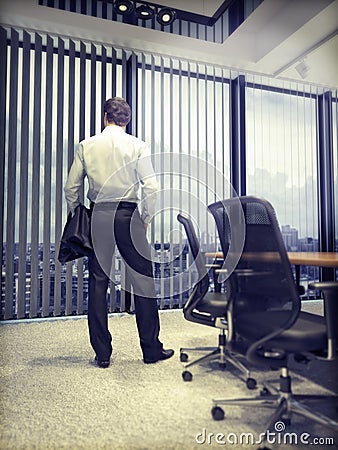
[75, 180]
[149, 184]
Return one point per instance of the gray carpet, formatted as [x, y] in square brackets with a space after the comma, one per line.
[53, 397]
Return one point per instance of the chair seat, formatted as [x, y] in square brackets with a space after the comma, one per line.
[213, 303]
[307, 334]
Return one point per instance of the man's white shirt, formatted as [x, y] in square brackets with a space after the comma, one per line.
[117, 165]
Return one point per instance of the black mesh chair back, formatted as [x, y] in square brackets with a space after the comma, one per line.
[211, 309]
[261, 282]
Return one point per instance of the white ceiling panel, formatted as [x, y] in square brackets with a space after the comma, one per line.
[203, 7]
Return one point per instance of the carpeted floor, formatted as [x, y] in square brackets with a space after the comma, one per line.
[54, 398]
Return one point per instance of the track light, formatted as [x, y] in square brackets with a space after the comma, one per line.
[144, 12]
[123, 6]
[166, 16]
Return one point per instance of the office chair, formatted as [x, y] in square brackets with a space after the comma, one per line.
[208, 308]
[266, 309]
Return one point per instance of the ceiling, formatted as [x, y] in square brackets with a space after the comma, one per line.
[202, 7]
[275, 38]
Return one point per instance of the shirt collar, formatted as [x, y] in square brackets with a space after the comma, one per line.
[113, 129]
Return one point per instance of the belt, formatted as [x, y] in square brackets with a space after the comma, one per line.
[126, 205]
[115, 205]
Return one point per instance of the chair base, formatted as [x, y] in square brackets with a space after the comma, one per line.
[220, 354]
[284, 403]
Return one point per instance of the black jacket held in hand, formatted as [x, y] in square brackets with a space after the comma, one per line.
[76, 237]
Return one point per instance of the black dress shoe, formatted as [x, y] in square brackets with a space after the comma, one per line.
[165, 354]
[104, 364]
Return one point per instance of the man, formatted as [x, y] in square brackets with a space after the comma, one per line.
[116, 165]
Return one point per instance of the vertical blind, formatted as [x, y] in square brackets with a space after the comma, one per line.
[335, 163]
[281, 151]
[335, 154]
[183, 113]
[54, 91]
[282, 159]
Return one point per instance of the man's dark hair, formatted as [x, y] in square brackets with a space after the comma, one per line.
[118, 111]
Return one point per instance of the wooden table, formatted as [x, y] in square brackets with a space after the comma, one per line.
[328, 260]
[319, 259]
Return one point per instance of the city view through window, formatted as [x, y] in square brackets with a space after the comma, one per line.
[182, 111]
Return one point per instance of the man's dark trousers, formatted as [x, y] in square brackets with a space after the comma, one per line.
[121, 224]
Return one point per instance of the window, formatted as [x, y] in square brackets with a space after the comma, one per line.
[55, 88]
[281, 160]
[184, 115]
[335, 165]
[53, 100]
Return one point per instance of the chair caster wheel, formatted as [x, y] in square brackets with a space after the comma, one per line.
[251, 383]
[286, 421]
[183, 357]
[187, 376]
[222, 366]
[265, 391]
[217, 413]
[302, 359]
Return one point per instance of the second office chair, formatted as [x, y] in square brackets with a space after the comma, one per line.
[211, 309]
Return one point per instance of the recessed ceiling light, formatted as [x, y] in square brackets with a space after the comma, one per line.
[124, 6]
[166, 16]
[145, 12]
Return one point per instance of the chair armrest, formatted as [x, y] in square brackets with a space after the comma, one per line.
[325, 286]
[330, 295]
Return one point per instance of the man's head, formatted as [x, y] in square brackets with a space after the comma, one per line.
[116, 110]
